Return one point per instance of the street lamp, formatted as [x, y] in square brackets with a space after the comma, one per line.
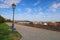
[13, 7]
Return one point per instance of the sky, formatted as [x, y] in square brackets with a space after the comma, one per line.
[31, 10]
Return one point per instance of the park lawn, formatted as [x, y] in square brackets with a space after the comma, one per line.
[6, 34]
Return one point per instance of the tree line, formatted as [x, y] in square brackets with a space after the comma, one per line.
[2, 19]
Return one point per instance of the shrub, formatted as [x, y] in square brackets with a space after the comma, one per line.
[31, 23]
[1, 19]
[8, 20]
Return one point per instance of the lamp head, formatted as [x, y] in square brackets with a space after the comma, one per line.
[13, 5]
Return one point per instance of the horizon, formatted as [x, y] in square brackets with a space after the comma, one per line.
[32, 10]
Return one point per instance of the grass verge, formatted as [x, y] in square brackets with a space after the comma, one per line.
[6, 34]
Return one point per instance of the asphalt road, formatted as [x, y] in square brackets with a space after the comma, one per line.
[30, 33]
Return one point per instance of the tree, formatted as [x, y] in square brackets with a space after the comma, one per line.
[8, 20]
[31, 24]
[2, 19]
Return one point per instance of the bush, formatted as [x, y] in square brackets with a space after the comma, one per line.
[31, 23]
[8, 20]
[6, 34]
[2, 19]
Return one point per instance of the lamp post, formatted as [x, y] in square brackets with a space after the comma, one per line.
[13, 7]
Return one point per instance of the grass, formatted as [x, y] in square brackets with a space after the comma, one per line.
[6, 34]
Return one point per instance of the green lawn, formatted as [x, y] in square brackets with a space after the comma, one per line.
[6, 34]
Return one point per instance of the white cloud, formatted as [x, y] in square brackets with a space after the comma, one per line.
[29, 10]
[7, 16]
[41, 14]
[23, 4]
[1, 0]
[19, 10]
[55, 6]
[37, 17]
[7, 3]
[36, 3]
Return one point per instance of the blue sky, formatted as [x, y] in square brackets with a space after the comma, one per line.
[32, 10]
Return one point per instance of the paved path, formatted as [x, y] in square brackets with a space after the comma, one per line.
[30, 33]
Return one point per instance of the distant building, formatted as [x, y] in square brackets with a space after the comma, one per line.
[41, 23]
[24, 22]
[52, 23]
[45, 23]
[36, 22]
